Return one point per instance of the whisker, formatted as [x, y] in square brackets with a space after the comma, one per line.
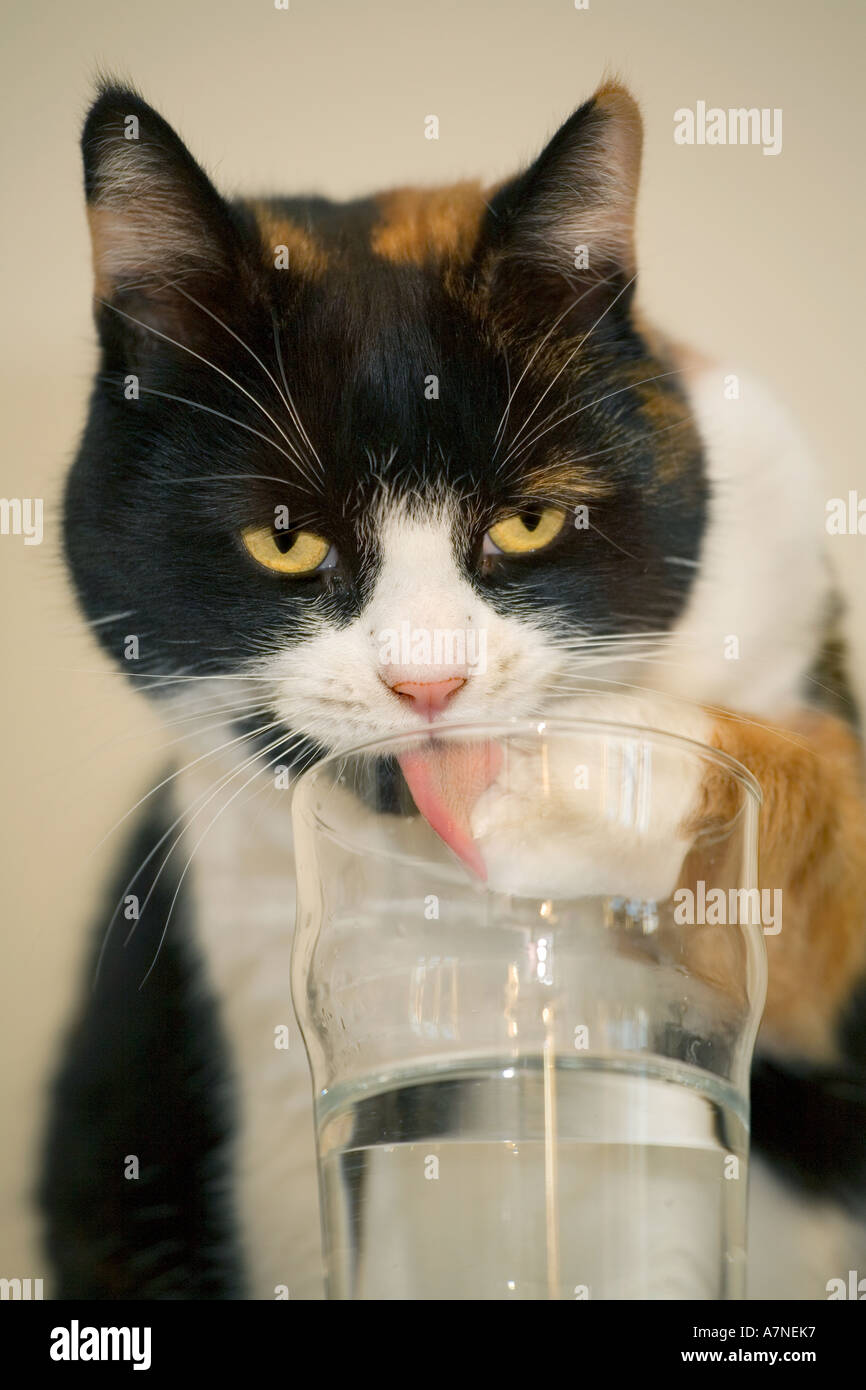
[205, 799]
[530, 443]
[622, 550]
[293, 409]
[197, 405]
[503, 422]
[625, 454]
[183, 348]
[270, 763]
[500, 435]
[570, 356]
[230, 713]
[185, 767]
[665, 633]
[161, 676]
[719, 710]
[109, 618]
[238, 339]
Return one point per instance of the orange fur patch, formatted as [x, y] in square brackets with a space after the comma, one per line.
[420, 225]
[813, 848]
[305, 254]
[562, 481]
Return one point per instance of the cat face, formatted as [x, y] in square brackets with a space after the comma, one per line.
[353, 467]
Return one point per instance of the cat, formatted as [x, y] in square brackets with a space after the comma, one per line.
[313, 421]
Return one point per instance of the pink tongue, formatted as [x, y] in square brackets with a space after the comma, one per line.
[445, 782]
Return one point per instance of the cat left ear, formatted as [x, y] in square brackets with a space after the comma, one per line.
[562, 233]
[158, 226]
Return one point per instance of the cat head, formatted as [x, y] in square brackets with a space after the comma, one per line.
[351, 467]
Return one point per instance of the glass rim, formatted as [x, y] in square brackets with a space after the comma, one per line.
[523, 726]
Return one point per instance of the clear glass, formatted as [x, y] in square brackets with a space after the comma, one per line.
[530, 1068]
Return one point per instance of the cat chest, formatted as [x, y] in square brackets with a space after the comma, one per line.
[244, 906]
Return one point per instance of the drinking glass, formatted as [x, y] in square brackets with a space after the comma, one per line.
[529, 968]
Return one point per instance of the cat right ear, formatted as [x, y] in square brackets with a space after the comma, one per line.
[160, 232]
[561, 236]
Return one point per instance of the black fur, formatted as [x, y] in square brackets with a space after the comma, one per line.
[811, 1123]
[143, 1072]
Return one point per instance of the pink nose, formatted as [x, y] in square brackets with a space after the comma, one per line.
[429, 697]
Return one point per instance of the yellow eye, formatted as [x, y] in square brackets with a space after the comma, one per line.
[518, 535]
[294, 552]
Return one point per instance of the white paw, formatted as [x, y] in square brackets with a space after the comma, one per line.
[587, 816]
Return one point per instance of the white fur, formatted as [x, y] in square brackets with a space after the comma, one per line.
[244, 906]
[334, 688]
[542, 837]
[761, 579]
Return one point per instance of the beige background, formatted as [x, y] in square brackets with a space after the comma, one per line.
[757, 259]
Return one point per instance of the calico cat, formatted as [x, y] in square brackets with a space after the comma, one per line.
[424, 385]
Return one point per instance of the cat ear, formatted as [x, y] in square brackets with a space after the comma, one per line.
[562, 233]
[160, 232]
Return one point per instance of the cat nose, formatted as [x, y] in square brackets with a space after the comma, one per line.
[429, 697]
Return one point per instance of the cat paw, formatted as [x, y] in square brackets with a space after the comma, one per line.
[585, 816]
